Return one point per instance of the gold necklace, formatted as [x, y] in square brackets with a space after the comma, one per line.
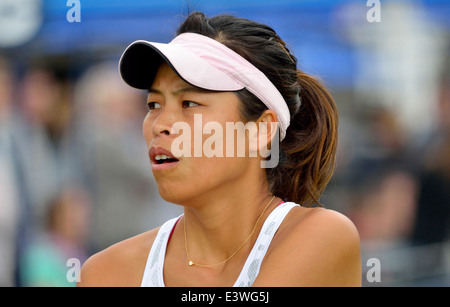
[191, 263]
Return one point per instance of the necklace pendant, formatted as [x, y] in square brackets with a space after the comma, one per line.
[191, 263]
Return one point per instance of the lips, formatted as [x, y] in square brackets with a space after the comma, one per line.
[162, 158]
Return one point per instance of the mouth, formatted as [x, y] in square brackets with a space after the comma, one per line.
[162, 158]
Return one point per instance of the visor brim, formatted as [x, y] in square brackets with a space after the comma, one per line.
[140, 62]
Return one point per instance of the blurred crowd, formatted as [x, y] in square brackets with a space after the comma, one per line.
[396, 189]
[74, 170]
[75, 175]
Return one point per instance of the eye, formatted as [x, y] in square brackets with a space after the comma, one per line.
[153, 105]
[189, 104]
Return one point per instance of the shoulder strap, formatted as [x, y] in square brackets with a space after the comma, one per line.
[153, 273]
[253, 263]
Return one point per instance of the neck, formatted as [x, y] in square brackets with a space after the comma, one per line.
[218, 225]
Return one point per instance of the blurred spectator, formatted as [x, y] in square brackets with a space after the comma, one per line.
[9, 179]
[433, 218]
[41, 134]
[43, 262]
[44, 108]
[432, 221]
[382, 187]
[41, 151]
[382, 182]
[384, 208]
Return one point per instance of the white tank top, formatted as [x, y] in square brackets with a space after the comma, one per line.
[153, 274]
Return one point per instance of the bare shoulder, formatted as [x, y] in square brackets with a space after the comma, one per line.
[318, 247]
[121, 264]
[322, 221]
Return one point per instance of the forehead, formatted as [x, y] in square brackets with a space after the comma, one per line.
[166, 79]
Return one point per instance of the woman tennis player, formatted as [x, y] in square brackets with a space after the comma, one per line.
[244, 224]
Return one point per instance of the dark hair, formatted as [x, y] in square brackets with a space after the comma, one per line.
[307, 153]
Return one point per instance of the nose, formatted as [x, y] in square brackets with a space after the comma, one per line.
[162, 124]
[153, 128]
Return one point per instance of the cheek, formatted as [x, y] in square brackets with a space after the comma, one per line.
[147, 130]
[210, 173]
[199, 176]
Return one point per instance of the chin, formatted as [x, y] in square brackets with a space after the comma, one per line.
[176, 194]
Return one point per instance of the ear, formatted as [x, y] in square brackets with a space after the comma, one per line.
[266, 128]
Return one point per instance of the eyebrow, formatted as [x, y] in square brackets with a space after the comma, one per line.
[185, 89]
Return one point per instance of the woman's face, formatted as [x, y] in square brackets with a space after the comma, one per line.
[171, 100]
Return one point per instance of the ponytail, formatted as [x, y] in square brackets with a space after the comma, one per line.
[309, 148]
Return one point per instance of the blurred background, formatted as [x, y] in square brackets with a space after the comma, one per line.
[74, 172]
